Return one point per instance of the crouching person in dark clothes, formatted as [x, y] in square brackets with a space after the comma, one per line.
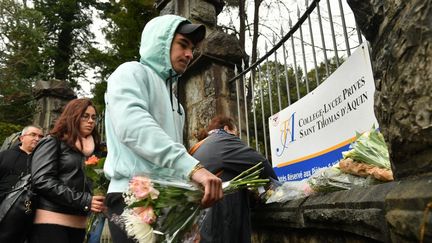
[224, 154]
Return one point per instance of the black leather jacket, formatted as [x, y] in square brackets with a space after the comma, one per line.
[58, 178]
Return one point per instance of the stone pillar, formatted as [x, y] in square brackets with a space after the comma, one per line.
[204, 88]
[400, 34]
[50, 96]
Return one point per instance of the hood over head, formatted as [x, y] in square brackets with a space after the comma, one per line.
[156, 40]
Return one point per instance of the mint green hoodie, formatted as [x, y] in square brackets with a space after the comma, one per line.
[144, 130]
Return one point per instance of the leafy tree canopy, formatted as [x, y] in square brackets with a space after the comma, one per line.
[51, 39]
[22, 37]
[126, 20]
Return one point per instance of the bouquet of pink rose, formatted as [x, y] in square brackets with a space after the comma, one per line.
[166, 211]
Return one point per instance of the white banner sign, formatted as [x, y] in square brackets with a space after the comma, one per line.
[311, 133]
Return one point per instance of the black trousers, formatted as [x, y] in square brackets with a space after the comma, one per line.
[116, 205]
[54, 233]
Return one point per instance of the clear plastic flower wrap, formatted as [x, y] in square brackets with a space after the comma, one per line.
[167, 210]
[333, 179]
[290, 190]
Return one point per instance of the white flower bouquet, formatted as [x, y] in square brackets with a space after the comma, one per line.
[167, 211]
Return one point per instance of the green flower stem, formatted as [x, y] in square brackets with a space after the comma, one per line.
[244, 173]
[177, 207]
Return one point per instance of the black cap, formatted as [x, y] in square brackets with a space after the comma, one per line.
[194, 32]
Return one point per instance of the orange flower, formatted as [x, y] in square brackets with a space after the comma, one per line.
[92, 160]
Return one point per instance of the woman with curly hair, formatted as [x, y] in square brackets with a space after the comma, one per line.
[64, 194]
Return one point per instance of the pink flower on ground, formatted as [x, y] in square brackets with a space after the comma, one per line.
[142, 187]
[146, 214]
[307, 190]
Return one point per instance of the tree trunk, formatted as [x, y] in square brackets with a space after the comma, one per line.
[242, 31]
[257, 4]
[64, 43]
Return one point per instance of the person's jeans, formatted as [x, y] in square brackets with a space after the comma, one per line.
[96, 233]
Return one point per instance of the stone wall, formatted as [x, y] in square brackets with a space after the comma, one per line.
[207, 92]
[389, 212]
[400, 34]
[204, 89]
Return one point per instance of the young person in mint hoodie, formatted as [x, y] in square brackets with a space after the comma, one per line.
[144, 120]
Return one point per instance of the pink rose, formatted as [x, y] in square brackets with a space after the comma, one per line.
[142, 187]
[146, 214]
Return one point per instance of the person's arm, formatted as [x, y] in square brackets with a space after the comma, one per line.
[45, 180]
[132, 95]
[211, 183]
[127, 96]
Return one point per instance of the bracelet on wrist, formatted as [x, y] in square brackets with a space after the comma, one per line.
[195, 169]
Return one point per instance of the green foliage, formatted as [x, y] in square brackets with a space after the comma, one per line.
[126, 20]
[68, 37]
[93, 170]
[7, 129]
[48, 39]
[21, 35]
[17, 108]
[21, 63]
[98, 95]
[51, 39]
